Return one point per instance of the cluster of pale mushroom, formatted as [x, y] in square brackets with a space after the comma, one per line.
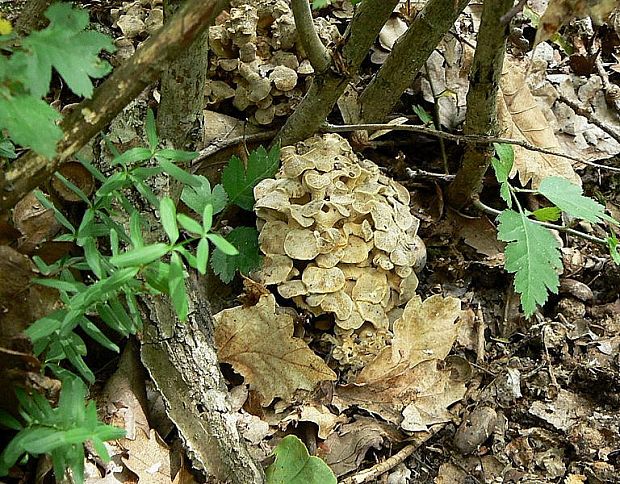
[338, 235]
[257, 62]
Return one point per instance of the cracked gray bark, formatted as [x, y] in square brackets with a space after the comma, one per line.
[481, 116]
[407, 57]
[182, 87]
[181, 360]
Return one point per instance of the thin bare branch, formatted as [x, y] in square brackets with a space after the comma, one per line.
[317, 54]
[560, 228]
[460, 138]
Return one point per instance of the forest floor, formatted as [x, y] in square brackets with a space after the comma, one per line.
[540, 397]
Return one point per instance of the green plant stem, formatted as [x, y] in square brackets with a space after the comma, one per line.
[560, 228]
[436, 122]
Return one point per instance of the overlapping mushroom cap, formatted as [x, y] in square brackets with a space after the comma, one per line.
[337, 234]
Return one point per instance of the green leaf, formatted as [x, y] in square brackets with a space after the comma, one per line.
[293, 465]
[533, 255]
[547, 214]
[222, 244]
[176, 155]
[568, 197]
[422, 114]
[135, 229]
[189, 224]
[614, 246]
[132, 155]
[207, 218]
[178, 173]
[31, 123]
[319, 4]
[176, 286]
[168, 213]
[248, 259]
[95, 333]
[9, 421]
[198, 197]
[65, 46]
[151, 130]
[239, 182]
[140, 256]
[202, 256]
[502, 165]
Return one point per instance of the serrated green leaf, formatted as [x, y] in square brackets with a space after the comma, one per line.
[568, 197]
[66, 47]
[198, 197]
[533, 255]
[168, 213]
[502, 164]
[176, 286]
[506, 155]
[245, 239]
[293, 465]
[547, 214]
[239, 181]
[30, 122]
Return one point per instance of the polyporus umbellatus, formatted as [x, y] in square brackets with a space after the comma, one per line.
[338, 235]
[255, 51]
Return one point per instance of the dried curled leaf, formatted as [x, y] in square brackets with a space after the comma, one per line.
[258, 342]
[521, 118]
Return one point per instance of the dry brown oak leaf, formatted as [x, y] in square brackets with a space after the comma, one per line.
[258, 342]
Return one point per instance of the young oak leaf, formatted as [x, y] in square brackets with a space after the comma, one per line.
[533, 255]
[568, 197]
[294, 465]
[245, 239]
[239, 181]
[258, 342]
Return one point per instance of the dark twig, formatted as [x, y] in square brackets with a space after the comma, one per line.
[371, 475]
[560, 228]
[508, 16]
[591, 117]
[459, 138]
[221, 144]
